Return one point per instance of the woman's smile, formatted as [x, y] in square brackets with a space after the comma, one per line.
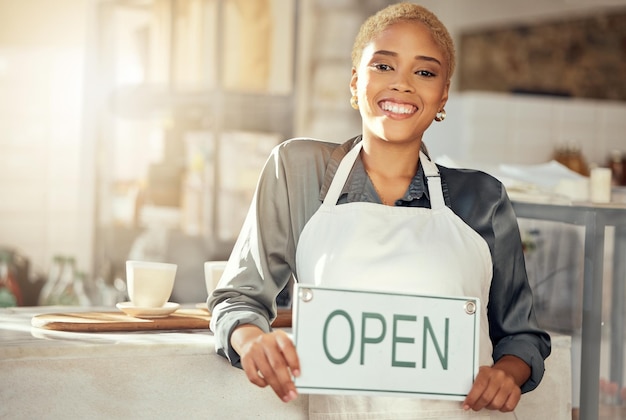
[397, 109]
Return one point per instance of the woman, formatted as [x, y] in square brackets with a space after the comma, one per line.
[432, 229]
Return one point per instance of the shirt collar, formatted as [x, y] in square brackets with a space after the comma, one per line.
[355, 184]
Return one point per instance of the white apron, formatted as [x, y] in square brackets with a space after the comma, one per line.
[417, 250]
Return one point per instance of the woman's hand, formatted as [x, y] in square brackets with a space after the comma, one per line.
[268, 359]
[497, 387]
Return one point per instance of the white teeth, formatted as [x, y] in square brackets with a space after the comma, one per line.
[397, 108]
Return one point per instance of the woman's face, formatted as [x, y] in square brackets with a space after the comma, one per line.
[401, 83]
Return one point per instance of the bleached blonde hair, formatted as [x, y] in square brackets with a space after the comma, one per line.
[404, 12]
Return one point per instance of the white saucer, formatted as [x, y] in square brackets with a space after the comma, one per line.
[129, 309]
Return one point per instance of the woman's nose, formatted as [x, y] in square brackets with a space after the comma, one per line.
[402, 83]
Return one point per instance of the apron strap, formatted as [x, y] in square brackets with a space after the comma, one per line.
[341, 176]
[346, 164]
[434, 182]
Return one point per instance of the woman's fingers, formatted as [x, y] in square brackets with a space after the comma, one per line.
[493, 389]
[289, 352]
[280, 353]
[252, 370]
[270, 360]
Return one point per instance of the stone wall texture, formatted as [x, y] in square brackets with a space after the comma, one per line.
[583, 57]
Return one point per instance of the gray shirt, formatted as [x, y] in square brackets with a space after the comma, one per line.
[291, 188]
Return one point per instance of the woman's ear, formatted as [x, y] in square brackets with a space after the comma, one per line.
[353, 81]
[444, 97]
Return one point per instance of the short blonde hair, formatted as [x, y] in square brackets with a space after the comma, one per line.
[404, 12]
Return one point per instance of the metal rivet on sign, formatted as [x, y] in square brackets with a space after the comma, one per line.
[470, 307]
[305, 294]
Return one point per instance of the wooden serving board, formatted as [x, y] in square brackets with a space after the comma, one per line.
[118, 321]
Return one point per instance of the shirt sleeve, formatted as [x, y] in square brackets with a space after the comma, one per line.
[482, 202]
[257, 269]
[512, 322]
[263, 258]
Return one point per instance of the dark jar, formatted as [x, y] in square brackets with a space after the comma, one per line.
[616, 164]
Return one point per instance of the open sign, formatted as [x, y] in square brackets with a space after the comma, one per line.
[372, 342]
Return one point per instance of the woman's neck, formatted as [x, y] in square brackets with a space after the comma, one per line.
[390, 160]
[390, 167]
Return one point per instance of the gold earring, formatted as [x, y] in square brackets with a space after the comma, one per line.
[440, 116]
[354, 102]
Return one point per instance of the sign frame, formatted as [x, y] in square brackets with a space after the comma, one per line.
[328, 365]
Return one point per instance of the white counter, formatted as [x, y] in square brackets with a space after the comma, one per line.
[152, 375]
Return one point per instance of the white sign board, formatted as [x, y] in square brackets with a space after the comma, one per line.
[372, 342]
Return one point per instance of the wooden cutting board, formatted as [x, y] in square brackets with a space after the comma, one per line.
[118, 321]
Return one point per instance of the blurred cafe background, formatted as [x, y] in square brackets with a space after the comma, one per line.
[136, 129]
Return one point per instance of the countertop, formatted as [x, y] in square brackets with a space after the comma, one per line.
[154, 374]
[48, 374]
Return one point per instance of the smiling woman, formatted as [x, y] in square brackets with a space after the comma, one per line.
[401, 85]
[318, 216]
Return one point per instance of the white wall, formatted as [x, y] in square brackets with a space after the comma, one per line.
[46, 172]
[494, 128]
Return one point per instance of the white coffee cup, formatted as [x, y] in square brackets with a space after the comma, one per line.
[213, 271]
[149, 284]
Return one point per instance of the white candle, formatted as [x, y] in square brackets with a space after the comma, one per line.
[600, 185]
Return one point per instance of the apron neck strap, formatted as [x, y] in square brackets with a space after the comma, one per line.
[434, 182]
[346, 164]
[341, 176]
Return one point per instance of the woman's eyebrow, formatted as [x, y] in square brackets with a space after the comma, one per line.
[427, 58]
[417, 57]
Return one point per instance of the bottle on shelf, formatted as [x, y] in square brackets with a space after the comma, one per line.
[46, 296]
[64, 293]
[79, 289]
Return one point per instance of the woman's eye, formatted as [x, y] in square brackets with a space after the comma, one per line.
[425, 73]
[383, 67]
